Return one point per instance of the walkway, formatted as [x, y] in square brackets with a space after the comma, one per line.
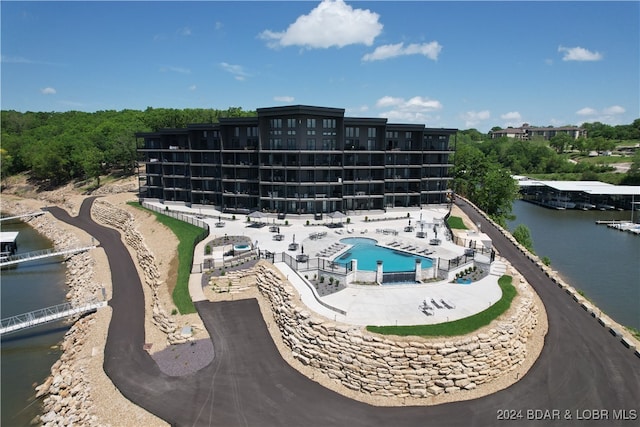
[46, 315]
[42, 254]
[249, 384]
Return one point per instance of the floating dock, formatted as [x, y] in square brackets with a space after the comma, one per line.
[8, 243]
[621, 225]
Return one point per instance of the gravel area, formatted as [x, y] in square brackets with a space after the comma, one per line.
[184, 359]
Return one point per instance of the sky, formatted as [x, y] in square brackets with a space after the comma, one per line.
[448, 64]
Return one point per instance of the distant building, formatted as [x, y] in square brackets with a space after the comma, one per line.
[297, 159]
[527, 132]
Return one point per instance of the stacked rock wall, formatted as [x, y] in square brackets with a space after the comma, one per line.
[396, 367]
[119, 219]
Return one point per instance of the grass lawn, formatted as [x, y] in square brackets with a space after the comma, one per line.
[188, 235]
[456, 222]
[457, 327]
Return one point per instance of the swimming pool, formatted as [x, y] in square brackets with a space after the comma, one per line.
[367, 252]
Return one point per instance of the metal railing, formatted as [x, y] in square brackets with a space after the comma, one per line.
[41, 254]
[46, 315]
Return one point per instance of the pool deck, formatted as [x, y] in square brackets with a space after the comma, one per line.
[365, 304]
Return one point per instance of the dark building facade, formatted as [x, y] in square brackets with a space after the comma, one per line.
[297, 159]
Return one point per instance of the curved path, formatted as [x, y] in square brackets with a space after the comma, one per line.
[582, 367]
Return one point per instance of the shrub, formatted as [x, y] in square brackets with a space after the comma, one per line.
[321, 279]
[330, 279]
[307, 222]
[207, 250]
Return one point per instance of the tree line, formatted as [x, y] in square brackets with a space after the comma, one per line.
[484, 166]
[56, 147]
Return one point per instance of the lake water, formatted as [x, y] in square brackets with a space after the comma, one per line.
[27, 356]
[602, 262]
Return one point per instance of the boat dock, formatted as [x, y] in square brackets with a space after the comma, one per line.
[8, 260]
[621, 225]
[27, 215]
[47, 315]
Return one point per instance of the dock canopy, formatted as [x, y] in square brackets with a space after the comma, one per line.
[8, 242]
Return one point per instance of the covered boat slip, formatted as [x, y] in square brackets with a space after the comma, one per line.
[8, 243]
[579, 194]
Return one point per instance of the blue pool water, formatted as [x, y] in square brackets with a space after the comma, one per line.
[367, 252]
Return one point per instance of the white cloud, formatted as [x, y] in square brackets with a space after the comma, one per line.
[186, 31]
[21, 60]
[331, 23]
[512, 118]
[473, 118]
[610, 115]
[579, 54]
[236, 70]
[387, 101]
[586, 111]
[192, 88]
[430, 50]
[48, 91]
[180, 70]
[414, 110]
[614, 110]
[283, 98]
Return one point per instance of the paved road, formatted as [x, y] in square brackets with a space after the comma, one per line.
[582, 367]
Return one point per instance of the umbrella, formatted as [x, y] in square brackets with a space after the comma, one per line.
[256, 215]
[302, 249]
[336, 214]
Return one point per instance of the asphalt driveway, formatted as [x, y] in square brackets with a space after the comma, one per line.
[582, 368]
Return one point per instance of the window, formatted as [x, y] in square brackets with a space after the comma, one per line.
[252, 131]
[329, 123]
[236, 131]
[311, 123]
[311, 144]
[371, 132]
[352, 132]
[276, 123]
[291, 123]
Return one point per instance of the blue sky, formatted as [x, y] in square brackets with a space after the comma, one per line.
[445, 64]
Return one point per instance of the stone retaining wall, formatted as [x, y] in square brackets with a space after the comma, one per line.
[395, 367]
[108, 214]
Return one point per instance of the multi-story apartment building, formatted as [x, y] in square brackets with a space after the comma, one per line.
[297, 159]
[527, 132]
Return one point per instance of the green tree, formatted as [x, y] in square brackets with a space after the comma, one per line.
[523, 236]
[92, 164]
[5, 163]
[496, 194]
[560, 142]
